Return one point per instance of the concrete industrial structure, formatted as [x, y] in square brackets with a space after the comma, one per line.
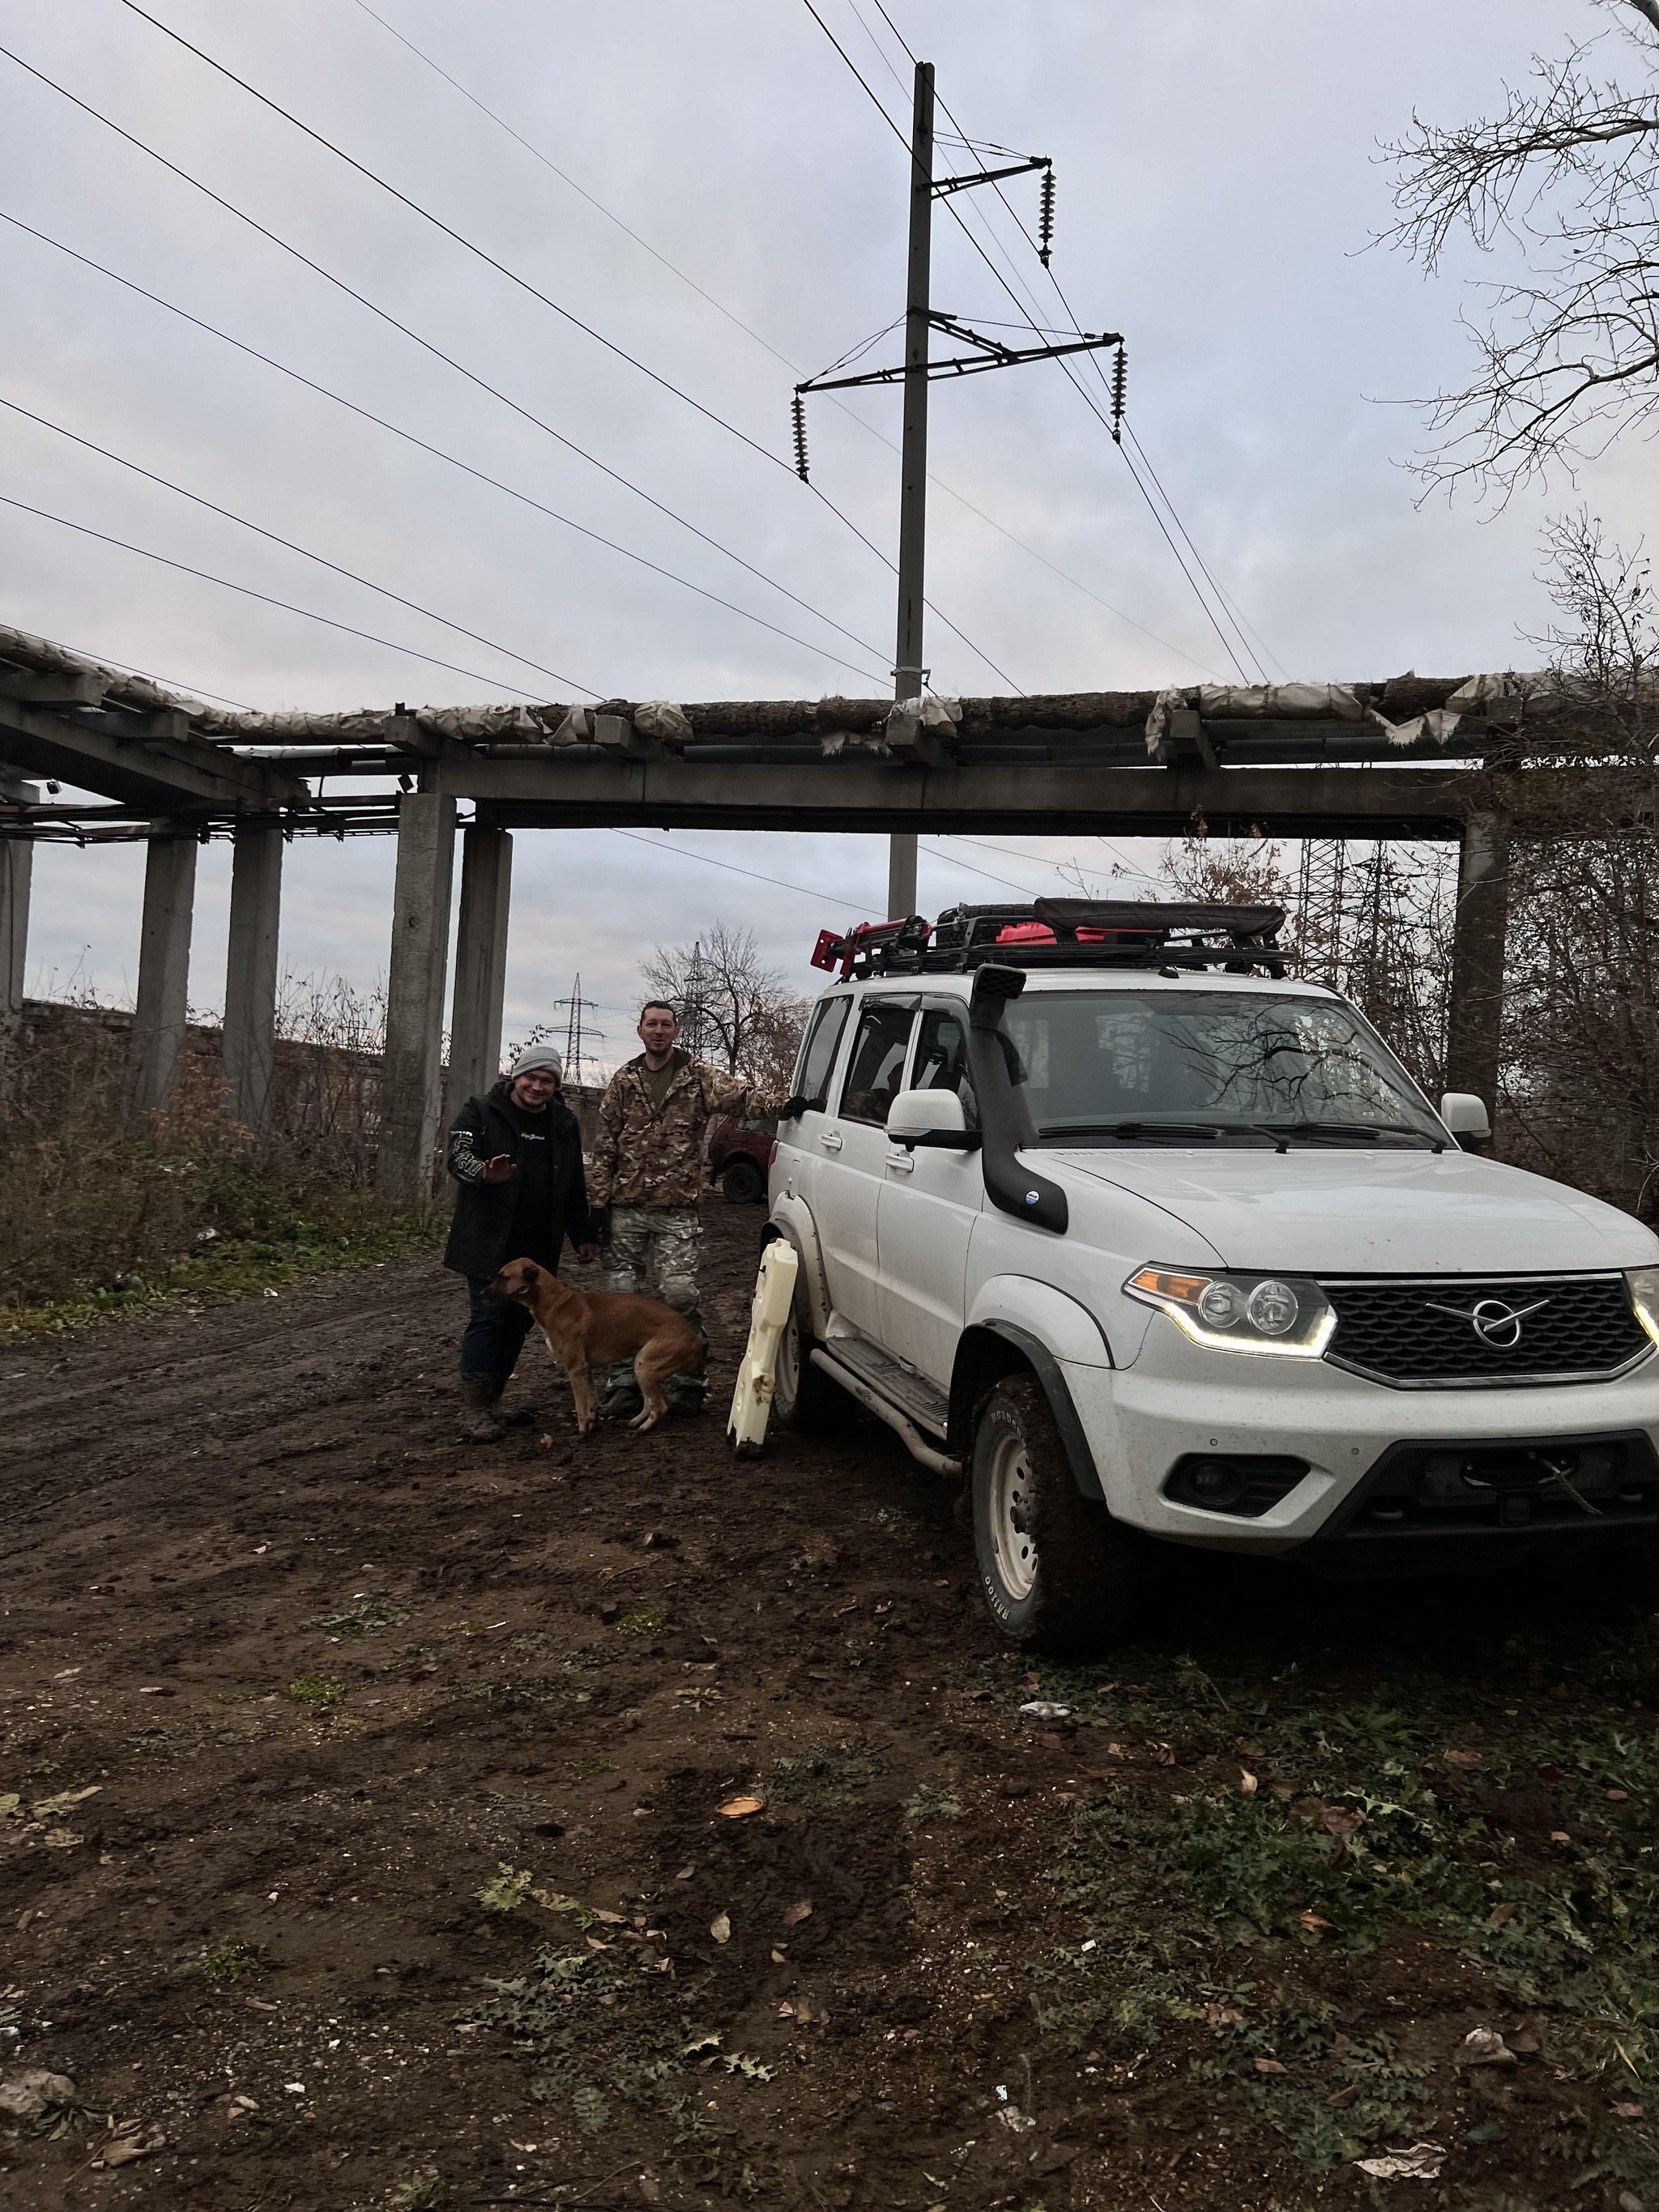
[1363, 761]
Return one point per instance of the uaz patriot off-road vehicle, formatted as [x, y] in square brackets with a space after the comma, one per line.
[1095, 1205]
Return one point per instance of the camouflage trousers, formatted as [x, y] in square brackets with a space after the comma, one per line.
[654, 1249]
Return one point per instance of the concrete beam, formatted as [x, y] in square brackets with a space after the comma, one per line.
[141, 760]
[1475, 1011]
[162, 1012]
[250, 1033]
[411, 1072]
[475, 1020]
[1037, 798]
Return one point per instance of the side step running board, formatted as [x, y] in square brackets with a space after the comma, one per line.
[905, 1429]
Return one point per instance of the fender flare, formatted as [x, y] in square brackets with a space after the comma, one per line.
[1043, 1364]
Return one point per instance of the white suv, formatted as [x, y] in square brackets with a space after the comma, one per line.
[1093, 1204]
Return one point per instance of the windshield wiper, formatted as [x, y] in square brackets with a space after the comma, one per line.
[1061, 1130]
[1339, 1130]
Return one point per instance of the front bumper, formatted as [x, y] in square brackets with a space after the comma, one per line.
[1363, 1444]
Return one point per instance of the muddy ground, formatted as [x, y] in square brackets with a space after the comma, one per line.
[362, 1840]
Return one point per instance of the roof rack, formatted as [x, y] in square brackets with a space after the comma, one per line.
[1062, 933]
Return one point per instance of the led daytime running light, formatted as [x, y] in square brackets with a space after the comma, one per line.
[1289, 1319]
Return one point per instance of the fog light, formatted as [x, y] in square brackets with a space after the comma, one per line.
[1216, 1483]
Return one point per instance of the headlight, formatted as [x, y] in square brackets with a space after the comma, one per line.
[1643, 1284]
[1268, 1312]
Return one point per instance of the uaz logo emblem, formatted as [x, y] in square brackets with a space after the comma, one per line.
[1496, 1322]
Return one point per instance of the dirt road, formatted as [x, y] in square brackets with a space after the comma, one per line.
[362, 1840]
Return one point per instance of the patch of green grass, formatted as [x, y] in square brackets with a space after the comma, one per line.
[229, 1961]
[327, 1237]
[361, 1621]
[645, 1621]
[1519, 1839]
[322, 1692]
[816, 1778]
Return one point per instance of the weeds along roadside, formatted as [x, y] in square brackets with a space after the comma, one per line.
[102, 1213]
[1238, 1927]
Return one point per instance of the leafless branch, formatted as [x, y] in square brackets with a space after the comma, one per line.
[1566, 176]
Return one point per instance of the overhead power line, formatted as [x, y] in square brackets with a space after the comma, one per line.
[821, 898]
[1252, 642]
[524, 284]
[248, 592]
[289, 544]
[1030, 321]
[766, 345]
[170, 682]
[459, 238]
[425, 446]
[426, 344]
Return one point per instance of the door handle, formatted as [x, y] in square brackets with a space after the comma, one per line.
[830, 1139]
[901, 1162]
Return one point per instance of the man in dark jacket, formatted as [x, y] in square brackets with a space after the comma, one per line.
[516, 1154]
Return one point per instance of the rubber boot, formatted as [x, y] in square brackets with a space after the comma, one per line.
[481, 1424]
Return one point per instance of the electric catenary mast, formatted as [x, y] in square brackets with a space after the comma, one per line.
[918, 370]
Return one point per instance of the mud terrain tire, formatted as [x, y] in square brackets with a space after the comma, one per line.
[803, 1398]
[1058, 1573]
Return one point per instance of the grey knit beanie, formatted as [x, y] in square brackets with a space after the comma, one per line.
[538, 1055]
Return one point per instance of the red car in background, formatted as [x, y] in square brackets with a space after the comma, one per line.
[740, 1157]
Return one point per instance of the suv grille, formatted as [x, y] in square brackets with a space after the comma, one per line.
[1422, 1334]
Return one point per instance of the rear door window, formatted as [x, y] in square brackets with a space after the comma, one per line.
[818, 1051]
[875, 1074]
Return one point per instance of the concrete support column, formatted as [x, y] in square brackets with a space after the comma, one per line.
[901, 875]
[17, 871]
[1474, 1023]
[17, 868]
[158, 1024]
[475, 1020]
[256, 899]
[411, 1072]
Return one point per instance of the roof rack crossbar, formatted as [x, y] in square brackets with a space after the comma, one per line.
[1061, 932]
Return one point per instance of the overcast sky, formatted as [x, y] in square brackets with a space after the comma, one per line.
[1219, 185]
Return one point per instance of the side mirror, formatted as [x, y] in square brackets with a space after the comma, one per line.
[929, 1116]
[1467, 1117]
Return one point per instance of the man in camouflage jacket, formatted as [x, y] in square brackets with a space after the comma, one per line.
[647, 1174]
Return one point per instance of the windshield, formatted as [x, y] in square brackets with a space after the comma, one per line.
[1101, 1068]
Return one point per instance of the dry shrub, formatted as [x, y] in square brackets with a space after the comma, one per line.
[97, 1204]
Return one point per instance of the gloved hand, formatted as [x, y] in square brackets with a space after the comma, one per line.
[793, 1108]
[599, 1218]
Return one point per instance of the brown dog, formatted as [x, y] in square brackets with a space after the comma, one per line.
[588, 1330]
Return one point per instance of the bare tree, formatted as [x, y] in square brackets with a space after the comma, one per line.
[1371, 920]
[1568, 175]
[733, 1010]
[1581, 1041]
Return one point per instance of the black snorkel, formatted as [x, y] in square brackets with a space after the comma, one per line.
[1005, 1118]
